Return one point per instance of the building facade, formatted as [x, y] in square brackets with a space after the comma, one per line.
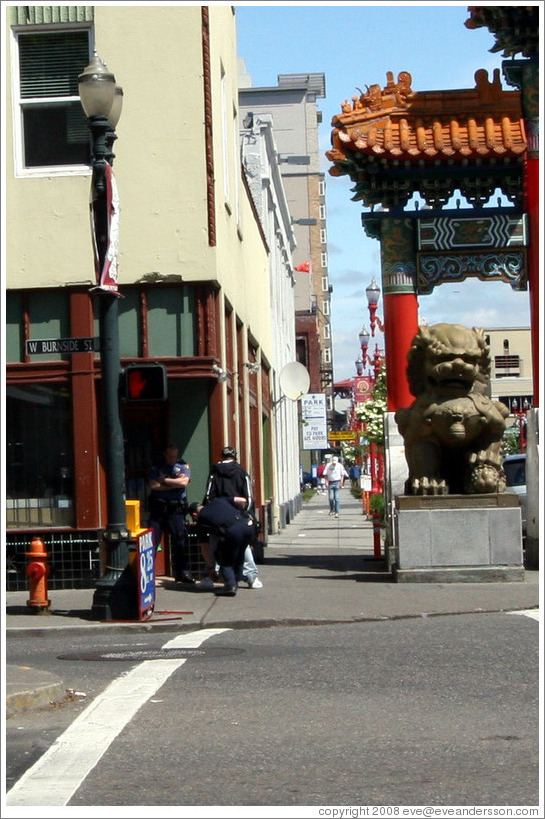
[194, 269]
[259, 159]
[292, 105]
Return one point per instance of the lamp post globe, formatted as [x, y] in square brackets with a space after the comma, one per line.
[372, 291]
[96, 87]
[364, 337]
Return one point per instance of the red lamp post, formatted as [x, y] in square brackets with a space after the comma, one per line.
[520, 415]
[373, 294]
[364, 344]
[375, 455]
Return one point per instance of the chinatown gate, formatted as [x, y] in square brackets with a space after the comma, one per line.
[395, 143]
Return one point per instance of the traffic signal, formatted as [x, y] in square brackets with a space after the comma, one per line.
[145, 382]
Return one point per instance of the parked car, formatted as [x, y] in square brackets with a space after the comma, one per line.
[309, 481]
[515, 473]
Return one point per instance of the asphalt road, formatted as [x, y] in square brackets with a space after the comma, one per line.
[429, 711]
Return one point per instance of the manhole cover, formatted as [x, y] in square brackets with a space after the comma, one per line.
[139, 655]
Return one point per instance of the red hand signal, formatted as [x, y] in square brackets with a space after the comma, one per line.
[136, 384]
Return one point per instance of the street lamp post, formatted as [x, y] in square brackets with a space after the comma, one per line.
[520, 415]
[364, 344]
[115, 596]
[372, 292]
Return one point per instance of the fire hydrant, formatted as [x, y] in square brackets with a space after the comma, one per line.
[37, 571]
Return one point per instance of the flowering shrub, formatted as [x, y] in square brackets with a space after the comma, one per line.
[371, 412]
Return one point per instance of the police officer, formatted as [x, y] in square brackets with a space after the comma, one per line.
[167, 504]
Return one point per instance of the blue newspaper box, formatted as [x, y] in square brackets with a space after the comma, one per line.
[145, 572]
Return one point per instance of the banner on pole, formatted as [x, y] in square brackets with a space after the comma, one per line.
[107, 271]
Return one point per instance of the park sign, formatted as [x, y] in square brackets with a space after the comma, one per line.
[43, 346]
[343, 435]
[314, 418]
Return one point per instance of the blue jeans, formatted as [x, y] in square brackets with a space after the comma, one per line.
[249, 569]
[334, 498]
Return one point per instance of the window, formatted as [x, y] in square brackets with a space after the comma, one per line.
[48, 314]
[51, 128]
[39, 465]
[325, 284]
[171, 322]
[321, 187]
[323, 258]
[507, 366]
[323, 236]
[322, 211]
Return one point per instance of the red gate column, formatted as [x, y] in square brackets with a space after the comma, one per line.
[524, 74]
[400, 305]
[532, 208]
[530, 106]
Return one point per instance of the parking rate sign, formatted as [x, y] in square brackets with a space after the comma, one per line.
[314, 417]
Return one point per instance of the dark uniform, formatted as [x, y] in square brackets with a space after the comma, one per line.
[235, 529]
[167, 510]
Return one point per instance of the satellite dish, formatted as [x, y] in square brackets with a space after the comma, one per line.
[294, 380]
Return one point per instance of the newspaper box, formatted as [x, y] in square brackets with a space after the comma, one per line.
[145, 572]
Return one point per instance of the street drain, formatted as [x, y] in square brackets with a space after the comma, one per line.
[139, 655]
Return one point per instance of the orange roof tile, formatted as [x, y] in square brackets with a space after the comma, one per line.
[399, 124]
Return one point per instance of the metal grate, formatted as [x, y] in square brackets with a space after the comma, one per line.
[74, 559]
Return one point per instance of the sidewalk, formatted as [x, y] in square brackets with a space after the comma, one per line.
[318, 569]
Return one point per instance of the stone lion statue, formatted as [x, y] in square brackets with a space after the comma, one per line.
[453, 430]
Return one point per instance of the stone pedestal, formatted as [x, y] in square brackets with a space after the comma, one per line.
[457, 539]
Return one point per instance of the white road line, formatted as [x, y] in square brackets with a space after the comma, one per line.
[533, 613]
[57, 775]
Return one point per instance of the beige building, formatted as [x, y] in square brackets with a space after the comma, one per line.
[293, 106]
[193, 267]
[511, 379]
[511, 359]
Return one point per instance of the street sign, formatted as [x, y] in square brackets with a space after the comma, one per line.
[42, 346]
[343, 435]
[314, 417]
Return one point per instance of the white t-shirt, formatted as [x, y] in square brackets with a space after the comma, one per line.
[335, 472]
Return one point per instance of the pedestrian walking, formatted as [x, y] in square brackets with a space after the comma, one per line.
[335, 475]
[321, 479]
[354, 474]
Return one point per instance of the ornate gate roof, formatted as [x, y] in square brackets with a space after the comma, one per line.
[394, 141]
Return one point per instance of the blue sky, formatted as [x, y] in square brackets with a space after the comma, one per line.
[355, 45]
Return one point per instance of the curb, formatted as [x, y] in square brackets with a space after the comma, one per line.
[31, 694]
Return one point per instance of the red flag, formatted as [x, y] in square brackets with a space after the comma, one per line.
[303, 268]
